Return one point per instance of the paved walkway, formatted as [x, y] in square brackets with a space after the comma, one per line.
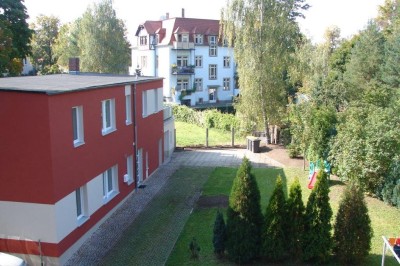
[107, 235]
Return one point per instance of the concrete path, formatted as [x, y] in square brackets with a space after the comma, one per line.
[94, 249]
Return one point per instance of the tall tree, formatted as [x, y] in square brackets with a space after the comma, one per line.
[244, 217]
[317, 238]
[264, 34]
[14, 30]
[353, 231]
[274, 229]
[46, 31]
[102, 40]
[66, 44]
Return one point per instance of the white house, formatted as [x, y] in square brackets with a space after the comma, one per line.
[197, 65]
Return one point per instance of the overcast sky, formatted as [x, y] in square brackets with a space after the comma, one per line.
[349, 15]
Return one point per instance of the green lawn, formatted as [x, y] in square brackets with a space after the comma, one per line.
[189, 135]
[200, 224]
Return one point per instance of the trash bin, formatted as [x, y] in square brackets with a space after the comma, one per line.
[253, 144]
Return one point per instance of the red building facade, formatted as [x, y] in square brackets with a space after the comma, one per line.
[73, 147]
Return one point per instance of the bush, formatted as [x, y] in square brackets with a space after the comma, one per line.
[211, 118]
[295, 225]
[274, 235]
[244, 217]
[353, 231]
[317, 239]
[219, 236]
[293, 151]
[391, 188]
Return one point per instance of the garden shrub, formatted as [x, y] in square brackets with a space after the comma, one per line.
[391, 188]
[295, 225]
[353, 231]
[244, 217]
[219, 236]
[273, 233]
[317, 239]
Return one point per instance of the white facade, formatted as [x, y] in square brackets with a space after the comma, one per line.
[197, 68]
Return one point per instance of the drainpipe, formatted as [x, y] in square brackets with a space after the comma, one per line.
[135, 135]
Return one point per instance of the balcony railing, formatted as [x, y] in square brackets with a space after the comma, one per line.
[183, 45]
[167, 112]
[182, 70]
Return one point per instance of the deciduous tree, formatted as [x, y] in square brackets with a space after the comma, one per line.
[45, 34]
[264, 34]
[15, 36]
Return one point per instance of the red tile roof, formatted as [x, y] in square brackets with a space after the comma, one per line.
[206, 27]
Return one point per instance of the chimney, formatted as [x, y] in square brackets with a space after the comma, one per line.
[183, 12]
[74, 65]
[167, 15]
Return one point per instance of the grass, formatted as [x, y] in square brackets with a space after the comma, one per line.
[200, 224]
[150, 239]
[189, 135]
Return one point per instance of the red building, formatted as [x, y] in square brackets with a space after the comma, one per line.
[73, 147]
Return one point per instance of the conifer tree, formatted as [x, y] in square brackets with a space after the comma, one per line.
[317, 240]
[353, 231]
[219, 237]
[273, 235]
[295, 221]
[244, 217]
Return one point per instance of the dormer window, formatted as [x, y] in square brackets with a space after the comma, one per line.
[212, 40]
[143, 40]
[198, 39]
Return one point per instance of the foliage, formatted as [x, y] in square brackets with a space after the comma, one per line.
[274, 230]
[295, 225]
[264, 34]
[66, 44]
[15, 35]
[353, 232]
[317, 239]
[367, 141]
[244, 217]
[219, 236]
[43, 40]
[391, 188]
[211, 118]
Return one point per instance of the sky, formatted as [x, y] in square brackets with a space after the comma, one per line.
[349, 15]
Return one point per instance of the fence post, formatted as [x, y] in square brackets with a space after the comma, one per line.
[233, 137]
[207, 137]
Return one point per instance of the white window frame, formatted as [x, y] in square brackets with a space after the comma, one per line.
[129, 170]
[110, 110]
[198, 39]
[198, 83]
[227, 61]
[110, 184]
[212, 71]
[183, 83]
[182, 60]
[226, 84]
[128, 105]
[144, 104]
[212, 50]
[212, 40]
[81, 200]
[198, 61]
[77, 123]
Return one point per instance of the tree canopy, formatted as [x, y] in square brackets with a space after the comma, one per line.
[264, 34]
[15, 36]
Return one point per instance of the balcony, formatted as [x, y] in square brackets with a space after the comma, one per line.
[167, 111]
[183, 45]
[182, 70]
